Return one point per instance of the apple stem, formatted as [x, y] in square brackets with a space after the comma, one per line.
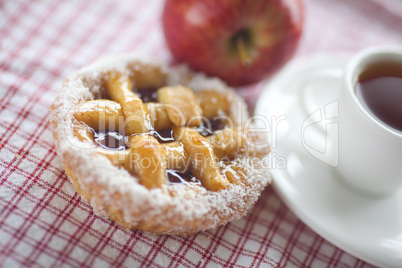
[243, 53]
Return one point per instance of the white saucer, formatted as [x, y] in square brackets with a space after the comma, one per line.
[367, 227]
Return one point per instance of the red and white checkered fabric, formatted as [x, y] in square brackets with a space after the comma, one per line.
[44, 222]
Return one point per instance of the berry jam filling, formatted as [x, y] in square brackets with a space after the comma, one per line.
[111, 140]
[209, 127]
[163, 136]
[175, 176]
[146, 94]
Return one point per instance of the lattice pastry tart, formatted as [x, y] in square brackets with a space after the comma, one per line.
[158, 148]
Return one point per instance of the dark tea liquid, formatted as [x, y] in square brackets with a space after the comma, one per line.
[379, 89]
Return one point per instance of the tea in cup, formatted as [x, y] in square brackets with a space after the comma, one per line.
[370, 121]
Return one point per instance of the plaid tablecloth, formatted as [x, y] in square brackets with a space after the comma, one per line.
[45, 223]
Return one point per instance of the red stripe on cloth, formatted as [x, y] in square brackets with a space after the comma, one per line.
[44, 223]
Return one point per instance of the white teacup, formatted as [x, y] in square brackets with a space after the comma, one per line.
[370, 151]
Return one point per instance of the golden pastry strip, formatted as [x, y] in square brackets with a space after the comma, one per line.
[100, 115]
[181, 105]
[213, 103]
[147, 161]
[204, 165]
[119, 87]
[158, 116]
[232, 141]
[172, 155]
[175, 156]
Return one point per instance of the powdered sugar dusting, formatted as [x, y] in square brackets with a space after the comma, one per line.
[191, 207]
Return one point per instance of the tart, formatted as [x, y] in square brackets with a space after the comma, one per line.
[158, 148]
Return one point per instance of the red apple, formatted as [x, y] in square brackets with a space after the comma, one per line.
[240, 41]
